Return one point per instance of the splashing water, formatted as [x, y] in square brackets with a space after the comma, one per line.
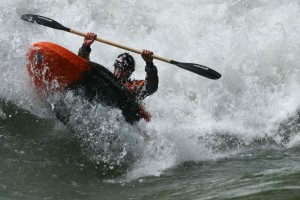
[253, 44]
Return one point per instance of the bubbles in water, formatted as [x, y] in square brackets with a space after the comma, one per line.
[253, 44]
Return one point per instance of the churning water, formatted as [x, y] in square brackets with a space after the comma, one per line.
[236, 137]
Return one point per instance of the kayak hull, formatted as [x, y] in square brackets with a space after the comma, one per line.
[53, 67]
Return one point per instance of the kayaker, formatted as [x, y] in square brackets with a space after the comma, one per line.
[125, 66]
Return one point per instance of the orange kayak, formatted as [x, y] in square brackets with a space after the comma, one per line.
[53, 69]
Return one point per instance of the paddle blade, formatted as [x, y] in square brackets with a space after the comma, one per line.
[45, 21]
[198, 69]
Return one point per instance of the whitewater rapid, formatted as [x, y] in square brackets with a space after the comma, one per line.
[253, 44]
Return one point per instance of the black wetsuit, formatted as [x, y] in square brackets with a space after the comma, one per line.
[140, 88]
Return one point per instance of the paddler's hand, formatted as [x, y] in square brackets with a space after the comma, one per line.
[89, 39]
[145, 55]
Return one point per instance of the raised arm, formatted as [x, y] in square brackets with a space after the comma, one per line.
[85, 49]
[151, 81]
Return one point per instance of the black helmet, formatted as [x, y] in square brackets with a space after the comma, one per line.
[125, 61]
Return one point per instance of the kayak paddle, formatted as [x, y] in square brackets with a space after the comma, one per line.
[196, 68]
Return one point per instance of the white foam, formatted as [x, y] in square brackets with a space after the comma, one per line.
[253, 44]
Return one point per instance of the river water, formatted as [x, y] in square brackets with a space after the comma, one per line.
[233, 138]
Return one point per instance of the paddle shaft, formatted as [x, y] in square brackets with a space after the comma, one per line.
[120, 46]
[192, 67]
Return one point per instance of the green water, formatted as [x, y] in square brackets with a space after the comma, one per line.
[42, 161]
[232, 138]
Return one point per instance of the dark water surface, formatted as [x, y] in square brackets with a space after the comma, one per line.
[237, 137]
[41, 161]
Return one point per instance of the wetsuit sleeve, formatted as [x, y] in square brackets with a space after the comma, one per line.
[84, 52]
[151, 82]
